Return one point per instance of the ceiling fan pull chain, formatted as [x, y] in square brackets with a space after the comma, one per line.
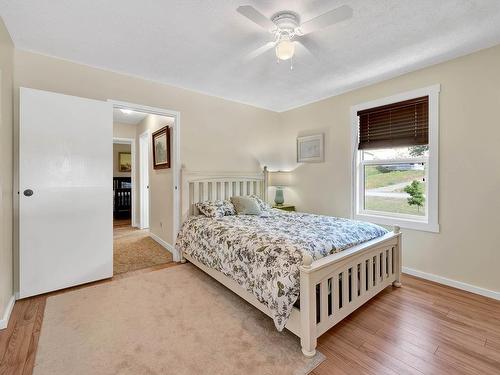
[291, 63]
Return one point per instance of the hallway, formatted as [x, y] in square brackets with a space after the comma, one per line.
[134, 249]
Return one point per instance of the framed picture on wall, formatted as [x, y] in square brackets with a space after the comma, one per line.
[124, 162]
[161, 148]
[310, 149]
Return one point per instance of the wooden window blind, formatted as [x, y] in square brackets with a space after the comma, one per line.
[395, 125]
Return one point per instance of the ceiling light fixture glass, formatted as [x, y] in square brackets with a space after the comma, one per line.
[285, 49]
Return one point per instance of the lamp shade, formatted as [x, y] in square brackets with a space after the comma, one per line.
[285, 49]
[280, 179]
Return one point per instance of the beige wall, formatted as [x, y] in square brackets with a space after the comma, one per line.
[117, 148]
[216, 134]
[467, 249]
[6, 167]
[124, 130]
[220, 135]
[160, 180]
[237, 136]
[160, 183]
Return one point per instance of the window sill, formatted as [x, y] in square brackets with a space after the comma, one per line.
[402, 222]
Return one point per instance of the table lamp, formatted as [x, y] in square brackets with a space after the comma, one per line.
[279, 180]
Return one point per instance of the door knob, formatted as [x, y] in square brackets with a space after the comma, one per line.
[28, 192]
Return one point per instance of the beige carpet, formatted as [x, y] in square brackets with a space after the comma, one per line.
[172, 321]
[133, 249]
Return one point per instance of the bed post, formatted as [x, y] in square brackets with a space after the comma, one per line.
[398, 264]
[266, 183]
[308, 337]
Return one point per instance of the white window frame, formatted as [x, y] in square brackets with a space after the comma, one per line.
[429, 222]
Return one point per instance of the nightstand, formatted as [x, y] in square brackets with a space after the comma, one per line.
[285, 207]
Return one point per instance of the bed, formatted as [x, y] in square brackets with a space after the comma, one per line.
[307, 272]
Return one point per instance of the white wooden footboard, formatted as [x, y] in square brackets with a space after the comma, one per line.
[345, 281]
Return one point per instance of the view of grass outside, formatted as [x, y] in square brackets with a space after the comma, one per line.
[385, 188]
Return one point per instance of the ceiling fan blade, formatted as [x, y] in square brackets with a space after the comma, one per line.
[307, 48]
[326, 19]
[257, 17]
[259, 51]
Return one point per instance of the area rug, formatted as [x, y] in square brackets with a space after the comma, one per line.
[133, 249]
[171, 321]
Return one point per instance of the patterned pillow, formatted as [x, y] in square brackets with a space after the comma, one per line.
[228, 208]
[216, 209]
[262, 205]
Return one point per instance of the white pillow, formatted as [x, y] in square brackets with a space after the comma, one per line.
[246, 206]
[263, 205]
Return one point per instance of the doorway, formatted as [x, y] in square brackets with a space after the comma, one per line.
[149, 240]
[80, 183]
[124, 185]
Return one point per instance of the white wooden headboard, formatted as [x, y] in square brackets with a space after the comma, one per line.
[204, 186]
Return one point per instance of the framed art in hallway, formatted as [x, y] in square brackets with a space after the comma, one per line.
[310, 149]
[125, 162]
[161, 148]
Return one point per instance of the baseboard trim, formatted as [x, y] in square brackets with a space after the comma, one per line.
[453, 283]
[165, 244]
[4, 322]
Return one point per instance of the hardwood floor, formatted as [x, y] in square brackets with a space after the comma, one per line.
[421, 328]
[121, 222]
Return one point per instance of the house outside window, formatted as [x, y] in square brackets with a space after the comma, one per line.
[395, 152]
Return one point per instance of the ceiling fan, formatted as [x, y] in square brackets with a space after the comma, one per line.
[286, 28]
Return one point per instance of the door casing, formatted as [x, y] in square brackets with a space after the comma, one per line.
[144, 196]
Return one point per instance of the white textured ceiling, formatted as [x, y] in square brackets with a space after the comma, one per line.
[132, 118]
[201, 45]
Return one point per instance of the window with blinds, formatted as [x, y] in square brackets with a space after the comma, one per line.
[395, 176]
[399, 124]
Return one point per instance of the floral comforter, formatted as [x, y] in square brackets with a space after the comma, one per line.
[263, 254]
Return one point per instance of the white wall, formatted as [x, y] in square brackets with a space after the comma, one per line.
[467, 248]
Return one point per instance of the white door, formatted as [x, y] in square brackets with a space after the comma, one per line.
[66, 191]
[144, 142]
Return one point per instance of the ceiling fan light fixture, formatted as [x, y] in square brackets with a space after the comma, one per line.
[285, 25]
[285, 49]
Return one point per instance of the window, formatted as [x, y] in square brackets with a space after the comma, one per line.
[395, 147]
